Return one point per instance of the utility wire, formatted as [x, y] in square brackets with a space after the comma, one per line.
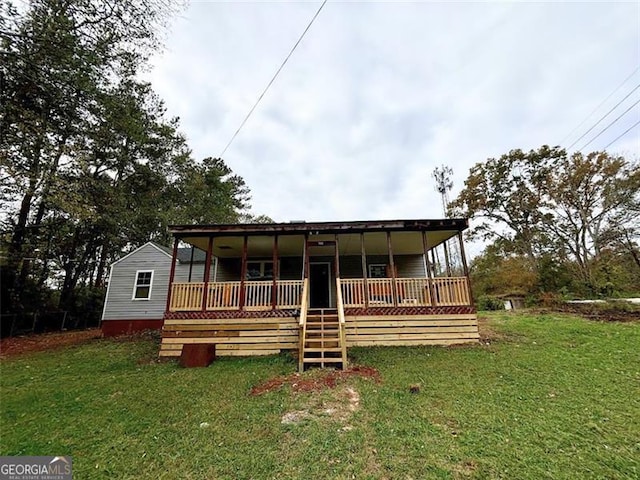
[607, 127]
[622, 134]
[603, 117]
[601, 103]
[272, 79]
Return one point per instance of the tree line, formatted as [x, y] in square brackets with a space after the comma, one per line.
[91, 165]
[555, 223]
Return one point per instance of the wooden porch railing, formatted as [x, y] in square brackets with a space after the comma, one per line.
[289, 293]
[223, 296]
[448, 291]
[452, 291]
[226, 295]
[186, 296]
[258, 295]
[352, 292]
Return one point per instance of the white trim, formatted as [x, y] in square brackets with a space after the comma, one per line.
[135, 285]
[106, 297]
[215, 268]
[328, 278]
[140, 248]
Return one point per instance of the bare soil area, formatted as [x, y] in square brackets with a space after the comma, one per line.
[19, 345]
[315, 380]
[601, 313]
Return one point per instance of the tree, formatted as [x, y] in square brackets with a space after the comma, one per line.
[544, 204]
[208, 192]
[593, 204]
[89, 164]
[508, 196]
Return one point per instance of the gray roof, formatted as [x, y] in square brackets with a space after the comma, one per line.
[184, 254]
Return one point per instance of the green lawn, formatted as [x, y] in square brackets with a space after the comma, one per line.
[550, 397]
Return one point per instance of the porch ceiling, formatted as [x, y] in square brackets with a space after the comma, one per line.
[402, 243]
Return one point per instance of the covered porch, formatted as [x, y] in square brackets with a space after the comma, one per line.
[266, 268]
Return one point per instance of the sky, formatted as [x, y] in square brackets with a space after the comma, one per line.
[379, 94]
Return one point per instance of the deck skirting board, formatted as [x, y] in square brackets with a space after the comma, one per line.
[267, 336]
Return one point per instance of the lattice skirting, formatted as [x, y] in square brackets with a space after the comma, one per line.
[376, 311]
[395, 311]
[230, 314]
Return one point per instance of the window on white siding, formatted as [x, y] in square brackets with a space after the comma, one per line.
[142, 287]
[262, 270]
[377, 270]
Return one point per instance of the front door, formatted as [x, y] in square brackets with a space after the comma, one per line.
[319, 281]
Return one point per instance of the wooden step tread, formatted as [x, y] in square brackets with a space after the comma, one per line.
[322, 360]
[323, 349]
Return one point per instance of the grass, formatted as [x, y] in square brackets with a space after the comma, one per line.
[550, 397]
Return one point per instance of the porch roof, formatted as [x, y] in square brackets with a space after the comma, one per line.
[406, 239]
[292, 228]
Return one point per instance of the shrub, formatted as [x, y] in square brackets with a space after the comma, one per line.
[487, 302]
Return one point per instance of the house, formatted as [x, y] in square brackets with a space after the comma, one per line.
[136, 296]
[319, 288]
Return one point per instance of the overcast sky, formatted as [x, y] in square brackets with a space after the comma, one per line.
[379, 94]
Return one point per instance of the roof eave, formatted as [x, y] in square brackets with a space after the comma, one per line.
[458, 224]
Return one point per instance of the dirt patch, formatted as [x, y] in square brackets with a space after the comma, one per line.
[339, 406]
[13, 346]
[465, 469]
[315, 380]
[597, 312]
[487, 334]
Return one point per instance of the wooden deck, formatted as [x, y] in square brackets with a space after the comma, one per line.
[402, 311]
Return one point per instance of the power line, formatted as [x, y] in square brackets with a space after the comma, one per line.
[622, 134]
[604, 116]
[272, 79]
[607, 127]
[599, 105]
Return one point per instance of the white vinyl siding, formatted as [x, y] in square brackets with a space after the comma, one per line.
[119, 303]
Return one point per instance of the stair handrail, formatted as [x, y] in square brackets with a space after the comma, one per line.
[304, 306]
[341, 322]
[304, 302]
[340, 301]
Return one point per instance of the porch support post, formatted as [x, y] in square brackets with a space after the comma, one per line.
[305, 260]
[465, 267]
[336, 269]
[276, 274]
[172, 272]
[446, 258]
[191, 263]
[337, 260]
[363, 254]
[433, 261]
[429, 272]
[207, 273]
[393, 271]
[243, 273]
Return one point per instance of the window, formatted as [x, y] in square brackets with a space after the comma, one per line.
[142, 287]
[378, 271]
[262, 270]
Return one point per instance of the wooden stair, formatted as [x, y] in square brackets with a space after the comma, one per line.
[322, 342]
